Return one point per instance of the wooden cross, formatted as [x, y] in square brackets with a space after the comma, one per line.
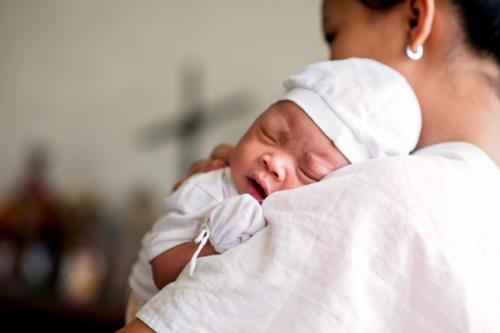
[196, 118]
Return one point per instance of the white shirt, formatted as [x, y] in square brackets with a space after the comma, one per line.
[401, 244]
[185, 210]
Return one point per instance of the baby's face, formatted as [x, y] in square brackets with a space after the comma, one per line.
[283, 149]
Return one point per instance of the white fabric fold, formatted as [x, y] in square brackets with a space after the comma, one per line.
[402, 244]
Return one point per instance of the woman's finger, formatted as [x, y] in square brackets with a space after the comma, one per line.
[200, 166]
[222, 152]
[217, 164]
[219, 158]
[178, 183]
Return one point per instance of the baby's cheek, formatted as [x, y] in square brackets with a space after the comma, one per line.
[238, 175]
[293, 183]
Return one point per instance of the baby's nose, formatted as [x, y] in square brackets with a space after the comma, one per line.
[277, 165]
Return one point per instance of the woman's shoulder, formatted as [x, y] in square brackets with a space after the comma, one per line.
[451, 183]
[431, 197]
[445, 166]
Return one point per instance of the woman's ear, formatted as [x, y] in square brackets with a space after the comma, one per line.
[420, 21]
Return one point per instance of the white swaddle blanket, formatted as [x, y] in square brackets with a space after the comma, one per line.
[404, 244]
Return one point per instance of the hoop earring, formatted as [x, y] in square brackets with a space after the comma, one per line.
[415, 55]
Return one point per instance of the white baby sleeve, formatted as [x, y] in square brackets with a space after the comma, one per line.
[185, 210]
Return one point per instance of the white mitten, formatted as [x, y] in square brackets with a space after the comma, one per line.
[230, 223]
[234, 221]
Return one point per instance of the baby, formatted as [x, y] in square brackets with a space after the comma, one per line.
[333, 114]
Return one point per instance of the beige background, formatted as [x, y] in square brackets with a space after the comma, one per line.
[86, 77]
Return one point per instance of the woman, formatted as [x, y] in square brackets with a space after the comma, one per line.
[422, 253]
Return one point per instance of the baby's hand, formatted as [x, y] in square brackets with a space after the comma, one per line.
[234, 221]
[230, 223]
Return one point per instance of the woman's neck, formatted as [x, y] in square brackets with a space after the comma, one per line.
[462, 105]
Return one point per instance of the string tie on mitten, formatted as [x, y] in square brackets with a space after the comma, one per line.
[202, 239]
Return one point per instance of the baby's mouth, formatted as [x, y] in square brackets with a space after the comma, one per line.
[256, 190]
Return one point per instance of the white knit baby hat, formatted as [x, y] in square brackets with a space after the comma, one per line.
[366, 108]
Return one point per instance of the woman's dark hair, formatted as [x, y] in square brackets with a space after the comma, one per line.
[481, 20]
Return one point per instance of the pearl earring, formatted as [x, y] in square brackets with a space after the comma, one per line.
[415, 55]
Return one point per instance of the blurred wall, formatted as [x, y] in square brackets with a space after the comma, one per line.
[86, 77]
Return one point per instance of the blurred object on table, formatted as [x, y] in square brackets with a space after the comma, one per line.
[66, 258]
[30, 226]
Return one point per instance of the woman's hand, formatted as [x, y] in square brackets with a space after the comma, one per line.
[136, 326]
[219, 158]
